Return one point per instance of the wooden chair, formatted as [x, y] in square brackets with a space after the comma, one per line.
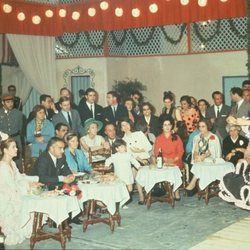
[99, 166]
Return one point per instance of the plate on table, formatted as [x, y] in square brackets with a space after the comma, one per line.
[79, 174]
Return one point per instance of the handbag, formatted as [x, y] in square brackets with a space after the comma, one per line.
[158, 189]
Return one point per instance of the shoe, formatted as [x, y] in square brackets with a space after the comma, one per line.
[190, 193]
[77, 221]
[177, 199]
[124, 207]
[140, 202]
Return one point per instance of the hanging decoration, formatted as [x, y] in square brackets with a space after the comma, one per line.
[142, 43]
[211, 37]
[96, 46]
[170, 39]
[248, 38]
[235, 30]
[72, 44]
[120, 42]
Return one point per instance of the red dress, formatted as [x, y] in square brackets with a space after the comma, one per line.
[169, 148]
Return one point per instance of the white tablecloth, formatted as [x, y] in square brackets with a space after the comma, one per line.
[209, 172]
[109, 193]
[148, 177]
[57, 208]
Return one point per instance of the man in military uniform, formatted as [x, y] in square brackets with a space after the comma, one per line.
[11, 123]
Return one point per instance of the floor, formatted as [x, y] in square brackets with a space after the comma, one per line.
[160, 227]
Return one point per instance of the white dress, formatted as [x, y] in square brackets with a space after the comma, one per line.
[122, 166]
[12, 186]
[138, 140]
[97, 141]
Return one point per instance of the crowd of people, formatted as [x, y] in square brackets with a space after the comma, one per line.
[63, 135]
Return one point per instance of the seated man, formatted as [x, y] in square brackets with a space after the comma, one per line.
[51, 166]
[61, 129]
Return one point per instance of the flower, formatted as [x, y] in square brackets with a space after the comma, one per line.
[72, 190]
[212, 137]
[241, 142]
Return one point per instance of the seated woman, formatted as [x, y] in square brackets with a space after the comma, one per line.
[39, 131]
[92, 141]
[206, 148]
[149, 119]
[75, 157]
[171, 146]
[234, 145]
[137, 142]
[12, 186]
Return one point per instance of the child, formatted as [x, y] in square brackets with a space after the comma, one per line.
[122, 161]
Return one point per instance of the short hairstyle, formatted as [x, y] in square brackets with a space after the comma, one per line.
[186, 98]
[129, 99]
[89, 90]
[69, 136]
[64, 99]
[114, 94]
[11, 87]
[108, 124]
[44, 97]
[207, 122]
[205, 101]
[246, 82]
[137, 92]
[236, 90]
[36, 109]
[217, 93]
[53, 141]
[81, 92]
[168, 118]
[119, 142]
[60, 125]
[64, 88]
[141, 126]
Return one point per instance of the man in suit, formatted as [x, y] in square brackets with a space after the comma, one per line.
[11, 123]
[111, 136]
[61, 129]
[65, 92]
[17, 100]
[50, 109]
[51, 166]
[114, 112]
[68, 116]
[218, 114]
[89, 108]
[242, 107]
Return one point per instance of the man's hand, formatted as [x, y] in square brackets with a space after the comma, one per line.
[69, 178]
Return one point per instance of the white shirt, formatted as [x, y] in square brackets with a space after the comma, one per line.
[65, 114]
[54, 159]
[147, 119]
[240, 102]
[93, 108]
[216, 109]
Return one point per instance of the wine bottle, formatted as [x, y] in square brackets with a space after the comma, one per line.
[159, 160]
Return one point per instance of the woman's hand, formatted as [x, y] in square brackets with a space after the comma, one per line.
[40, 139]
[69, 178]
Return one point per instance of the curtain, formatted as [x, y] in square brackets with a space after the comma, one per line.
[36, 58]
[15, 76]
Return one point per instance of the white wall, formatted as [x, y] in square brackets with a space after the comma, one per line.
[197, 75]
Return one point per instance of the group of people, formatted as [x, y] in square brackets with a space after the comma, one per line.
[62, 136]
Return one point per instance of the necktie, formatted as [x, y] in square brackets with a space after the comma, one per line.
[218, 112]
[91, 109]
[114, 111]
[75, 159]
[69, 120]
[236, 108]
[57, 167]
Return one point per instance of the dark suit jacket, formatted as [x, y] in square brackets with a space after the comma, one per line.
[76, 121]
[45, 168]
[51, 113]
[153, 124]
[220, 122]
[85, 112]
[121, 112]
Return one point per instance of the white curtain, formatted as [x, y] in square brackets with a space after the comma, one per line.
[15, 76]
[36, 57]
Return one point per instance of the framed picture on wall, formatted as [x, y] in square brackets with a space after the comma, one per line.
[230, 82]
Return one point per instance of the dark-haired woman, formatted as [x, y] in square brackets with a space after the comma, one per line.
[203, 105]
[130, 105]
[189, 114]
[169, 106]
[12, 186]
[149, 119]
[39, 131]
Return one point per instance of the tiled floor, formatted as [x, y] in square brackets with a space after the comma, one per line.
[160, 227]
